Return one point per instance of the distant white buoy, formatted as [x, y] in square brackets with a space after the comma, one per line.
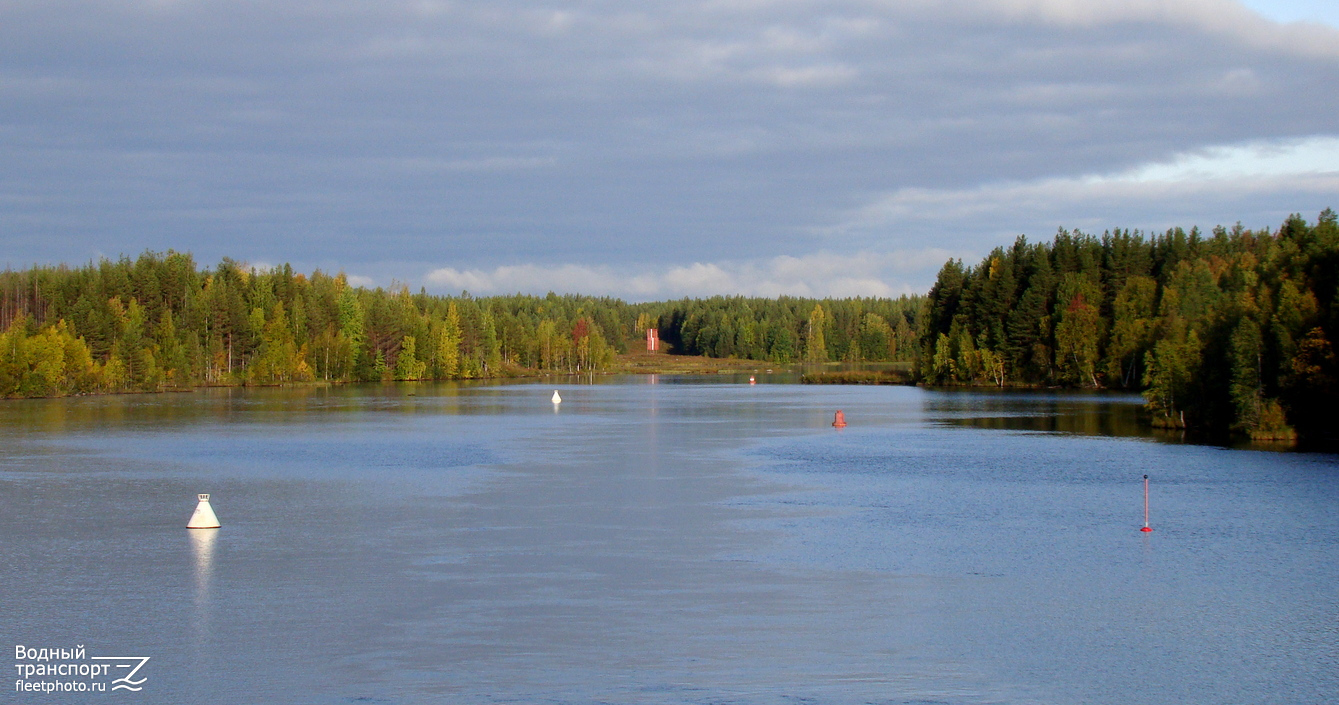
[203, 518]
[557, 399]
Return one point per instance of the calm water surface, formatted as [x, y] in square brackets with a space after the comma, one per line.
[681, 540]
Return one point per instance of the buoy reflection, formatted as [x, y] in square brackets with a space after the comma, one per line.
[202, 545]
[202, 541]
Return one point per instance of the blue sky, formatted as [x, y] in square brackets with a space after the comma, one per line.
[1323, 11]
[656, 149]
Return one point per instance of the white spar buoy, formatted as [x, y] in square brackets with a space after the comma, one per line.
[557, 399]
[203, 518]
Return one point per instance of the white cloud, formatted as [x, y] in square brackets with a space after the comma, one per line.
[1224, 17]
[826, 75]
[1315, 156]
[887, 274]
[1308, 166]
[357, 280]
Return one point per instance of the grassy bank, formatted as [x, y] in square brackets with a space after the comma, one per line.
[642, 363]
[894, 376]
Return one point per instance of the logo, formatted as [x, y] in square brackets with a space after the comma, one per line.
[65, 670]
[134, 663]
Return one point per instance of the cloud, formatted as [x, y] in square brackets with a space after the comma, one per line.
[1256, 162]
[1224, 17]
[356, 280]
[475, 164]
[1313, 11]
[816, 275]
[1231, 173]
[695, 134]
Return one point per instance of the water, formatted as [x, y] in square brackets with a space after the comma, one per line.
[687, 541]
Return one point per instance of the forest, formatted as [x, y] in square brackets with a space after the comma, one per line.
[160, 322]
[789, 329]
[1226, 332]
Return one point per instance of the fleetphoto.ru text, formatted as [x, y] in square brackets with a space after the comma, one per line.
[72, 670]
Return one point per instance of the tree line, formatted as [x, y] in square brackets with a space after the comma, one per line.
[159, 322]
[1230, 331]
[791, 329]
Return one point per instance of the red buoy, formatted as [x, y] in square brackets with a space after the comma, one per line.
[1146, 527]
[839, 420]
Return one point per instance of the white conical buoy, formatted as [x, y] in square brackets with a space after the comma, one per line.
[203, 518]
[557, 399]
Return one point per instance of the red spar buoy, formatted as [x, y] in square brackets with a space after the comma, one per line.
[1146, 527]
[839, 420]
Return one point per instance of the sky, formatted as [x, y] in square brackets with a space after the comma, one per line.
[651, 150]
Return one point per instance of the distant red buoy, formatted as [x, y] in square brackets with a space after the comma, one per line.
[1146, 527]
[839, 420]
[752, 380]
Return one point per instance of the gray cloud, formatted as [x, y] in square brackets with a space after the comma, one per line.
[399, 138]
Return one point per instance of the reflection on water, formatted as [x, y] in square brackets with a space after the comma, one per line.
[202, 546]
[273, 406]
[1081, 412]
[1085, 413]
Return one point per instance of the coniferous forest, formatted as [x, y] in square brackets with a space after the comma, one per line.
[1232, 331]
[1227, 332]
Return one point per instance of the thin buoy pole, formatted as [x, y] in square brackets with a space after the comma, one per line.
[1146, 527]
